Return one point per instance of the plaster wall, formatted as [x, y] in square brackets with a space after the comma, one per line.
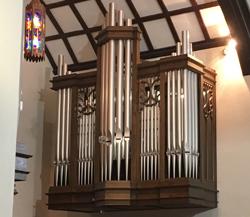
[10, 55]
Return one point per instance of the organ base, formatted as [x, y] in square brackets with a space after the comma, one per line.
[125, 196]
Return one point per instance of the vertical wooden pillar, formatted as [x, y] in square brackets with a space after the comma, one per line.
[214, 151]
[74, 148]
[163, 131]
[202, 146]
[135, 132]
[97, 154]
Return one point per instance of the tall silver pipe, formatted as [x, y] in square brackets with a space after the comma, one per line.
[173, 120]
[190, 122]
[155, 141]
[89, 147]
[106, 103]
[148, 140]
[179, 117]
[86, 148]
[103, 102]
[119, 96]
[193, 124]
[151, 150]
[142, 142]
[169, 124]
[191, 114]
[68, 93]
[59, 72]
[65, 69]
[111, 113]
[80, 151]
[196, 125]
[145, 141]
[127, 110]
[185, 50]
[92, 149]
[158, 139]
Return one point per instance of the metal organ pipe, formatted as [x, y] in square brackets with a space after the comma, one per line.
[111, 113]
[65, 69]
[68, 98]
[185, 43]
[119, 99]
[63, 128]
[106, 101]
[179, 112]
[57, 163]
[127, 112]
[116, 99]
[182, 123]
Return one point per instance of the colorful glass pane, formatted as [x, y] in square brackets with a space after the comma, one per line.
[35, 31]
[28, 31]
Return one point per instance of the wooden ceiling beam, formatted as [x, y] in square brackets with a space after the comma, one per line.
[84, 26]
[169, 20]
[60, 31]
[101, 7]
[140, 24]
[143, 19]
[200, 45]
[74, 33]
[193, 8]
[200, 20]
[51, 59]
[63, 3]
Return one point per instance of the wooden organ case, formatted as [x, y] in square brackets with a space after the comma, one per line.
[135, 135]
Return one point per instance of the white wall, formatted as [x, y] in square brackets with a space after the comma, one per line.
[30, 132]
[233, 135]
[10, 44]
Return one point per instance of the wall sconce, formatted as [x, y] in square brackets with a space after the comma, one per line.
[230, 46]
[34, 46]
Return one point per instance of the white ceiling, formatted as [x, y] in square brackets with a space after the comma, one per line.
[158, 30]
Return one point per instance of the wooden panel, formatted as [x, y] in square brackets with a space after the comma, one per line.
[74, 80]
[135, 133]
[97, 151]
[163, 131]
[74, 149]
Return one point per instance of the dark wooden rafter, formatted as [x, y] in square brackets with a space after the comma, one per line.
[169, 21]
[199, 45]
[151, 53]
[50, 58]
[143, 19]
[101, 6]
[60, 31]
[200, 20]
[84, 26]
[74, 33]
[140, 24]
[63, 3]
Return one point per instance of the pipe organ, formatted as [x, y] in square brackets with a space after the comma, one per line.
[135, 135]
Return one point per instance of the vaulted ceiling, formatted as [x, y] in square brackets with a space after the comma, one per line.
[72, 25]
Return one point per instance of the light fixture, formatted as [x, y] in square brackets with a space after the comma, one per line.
[34, 46]
[232, 43]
